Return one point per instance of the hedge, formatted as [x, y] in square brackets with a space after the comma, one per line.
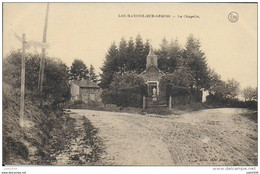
[125, 96]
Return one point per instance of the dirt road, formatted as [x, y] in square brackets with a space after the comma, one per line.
[207, 137]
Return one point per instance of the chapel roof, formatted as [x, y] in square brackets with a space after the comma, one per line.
[150, 67]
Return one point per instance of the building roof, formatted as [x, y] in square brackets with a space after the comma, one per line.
[145, 71]
[85, 84]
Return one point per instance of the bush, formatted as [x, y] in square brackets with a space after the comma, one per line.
[14, 148]
[218, 101]
[124, 97]
[56, 76]
[182, 95]
[77, 104]
[251, 105]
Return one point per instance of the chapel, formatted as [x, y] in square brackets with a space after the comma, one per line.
[152, 76]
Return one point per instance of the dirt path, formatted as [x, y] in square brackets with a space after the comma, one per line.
[208, 137]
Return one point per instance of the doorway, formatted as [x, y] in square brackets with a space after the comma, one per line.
[153, 88]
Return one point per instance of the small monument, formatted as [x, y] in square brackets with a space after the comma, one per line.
[154, 96]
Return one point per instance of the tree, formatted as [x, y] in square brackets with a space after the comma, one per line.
[164, 45]
[169, 55]
[249, 93]
[163, 54]
[56, 79]
[78, 70]
[127, 80]
[217, 86]
[146, 47]
[56, 75]
[140, 57]
[232, 88]
[197, 62]
[174, 56]
[182, 76]
[130, 56]
[92, 74]
[12, 69]
[110, 66]
[122, 56]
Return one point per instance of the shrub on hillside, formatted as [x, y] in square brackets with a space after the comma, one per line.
[56, 76]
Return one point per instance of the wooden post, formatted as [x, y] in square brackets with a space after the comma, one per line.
[170, 102]
[144, 102]
[41, 74]
[22, 83]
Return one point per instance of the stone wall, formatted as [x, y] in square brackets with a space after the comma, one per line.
[89, 95]
[74, 91]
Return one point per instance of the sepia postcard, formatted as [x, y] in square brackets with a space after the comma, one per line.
[129, 84]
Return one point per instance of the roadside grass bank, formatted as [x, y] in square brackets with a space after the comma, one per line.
[82, 146]
[46, 133]
[251, 114]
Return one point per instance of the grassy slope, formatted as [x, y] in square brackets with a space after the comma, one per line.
[21, 146]
[47, 132]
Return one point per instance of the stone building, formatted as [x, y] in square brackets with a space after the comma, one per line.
[152, 76]
[157, 92]
[85, 90]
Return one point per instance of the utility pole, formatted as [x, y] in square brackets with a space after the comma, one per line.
[22, 82]
[26, 45]
[41, 73]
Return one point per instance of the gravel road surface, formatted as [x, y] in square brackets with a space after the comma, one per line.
[209, 137]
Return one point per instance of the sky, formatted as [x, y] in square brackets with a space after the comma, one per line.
[86, 31]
